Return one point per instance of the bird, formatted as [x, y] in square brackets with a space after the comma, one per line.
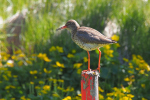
[87, 38]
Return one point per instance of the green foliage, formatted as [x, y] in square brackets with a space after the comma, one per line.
[50, 64]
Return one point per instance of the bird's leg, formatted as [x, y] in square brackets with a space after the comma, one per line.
[99, 60]
[88, 61]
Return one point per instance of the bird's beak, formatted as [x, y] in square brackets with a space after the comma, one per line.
[63, 27]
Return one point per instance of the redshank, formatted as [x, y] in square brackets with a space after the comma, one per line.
[87, 38]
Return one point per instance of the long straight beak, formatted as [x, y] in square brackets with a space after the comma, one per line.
[63, 27]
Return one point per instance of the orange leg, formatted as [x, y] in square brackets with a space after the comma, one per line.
[88, 60]
[99, 60]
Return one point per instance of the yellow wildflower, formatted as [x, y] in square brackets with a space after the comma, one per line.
[59, 64]
[46, 71]
[115, 37]
[47, 59]
[18, 52]
[52, 49]
[79, 71]
[100, 89]
[117, 44]
[67, 98]
[12, 99]
[77, 65]
[14, 57]
[46, 87]
[144, 99]
[110, 94]
[85, 59]
[55, 95]
[143, 85]
[10, 63]
[29, 62]
[21, 55]
[37, 87]
[31, 82]
[15, 76]
[80, 94]
[43, 91]
[70, 55]
[60, 49]
[33, 72]
[130, 95]
[125, 59]
[141, 72]
[20, 63]
[109, 98]
[126, 79]
[73, 51]
[41, 82]
[60, 80]
[107, 47]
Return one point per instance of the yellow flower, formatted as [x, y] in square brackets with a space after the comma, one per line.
[130, 95]
[14, 57]
[12, 99]
[107, 47]
[7, 87]
[46, 71]
[67, 98]
[37, 87]
[18, 52]
[100, 89]
[77, 65]
[46, 87]
[117, 44]
[60, 80]
[70, 55]
[80, 94]
[85, 59]
[60, 49]
[55, 95]
[141, 72]
[20, 63]
[47, 59]
[59, 64]
[109, 98]
[43, 91]
[143, 85]
[33, 72]
[21, 55]
[115, 37]
[73, 51]
[125, 59]
[29, 62]
[31, 82]
[110, 94]
[10, 63]
[144, 99]
[52, 48]
[79, 71]
[126, 79]
[131, 71]
[41, 82]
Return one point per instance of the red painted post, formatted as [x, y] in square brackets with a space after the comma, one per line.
[89, 85]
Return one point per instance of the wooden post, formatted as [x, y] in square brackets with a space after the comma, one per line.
[89, 85]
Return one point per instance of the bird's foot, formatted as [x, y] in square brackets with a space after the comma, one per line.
[98, 69]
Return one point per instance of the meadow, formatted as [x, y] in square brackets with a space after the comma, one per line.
[47, 64]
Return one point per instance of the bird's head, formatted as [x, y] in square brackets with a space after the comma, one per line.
[71, 25]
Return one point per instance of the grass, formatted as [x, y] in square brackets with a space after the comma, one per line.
[49, 64]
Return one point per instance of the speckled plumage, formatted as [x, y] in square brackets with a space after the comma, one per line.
[87, 38]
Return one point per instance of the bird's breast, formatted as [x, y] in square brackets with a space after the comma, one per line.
[86, 46]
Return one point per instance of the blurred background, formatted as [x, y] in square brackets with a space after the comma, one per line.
[39, 63]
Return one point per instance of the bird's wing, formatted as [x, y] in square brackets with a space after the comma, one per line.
[90, 35]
